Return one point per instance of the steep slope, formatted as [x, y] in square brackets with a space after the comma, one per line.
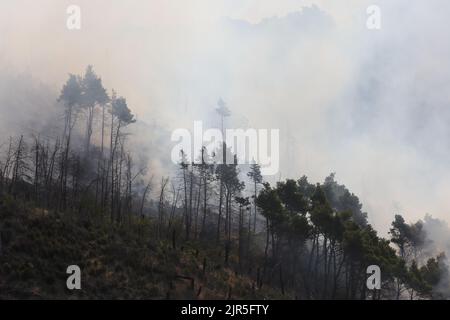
[117, 262]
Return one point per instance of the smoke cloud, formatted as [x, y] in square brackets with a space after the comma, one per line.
[368, 105]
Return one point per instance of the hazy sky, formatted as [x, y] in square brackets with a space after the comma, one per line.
[371, 106]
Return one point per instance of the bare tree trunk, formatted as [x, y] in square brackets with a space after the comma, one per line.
[89, 127]
[191, 190]
[197, 208]
[266, 250]
[205, 182]
[241, 235]
[164, 182]
[256, 208]
[144, 196]
[174, 204]
[186, 218]
[220, 210]
[36, 169]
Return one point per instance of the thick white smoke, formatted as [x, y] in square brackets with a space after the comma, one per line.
[368, 105]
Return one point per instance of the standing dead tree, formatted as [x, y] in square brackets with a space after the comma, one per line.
[121, 116]
[161, 205]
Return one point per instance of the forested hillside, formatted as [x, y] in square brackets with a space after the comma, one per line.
[208, 231]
